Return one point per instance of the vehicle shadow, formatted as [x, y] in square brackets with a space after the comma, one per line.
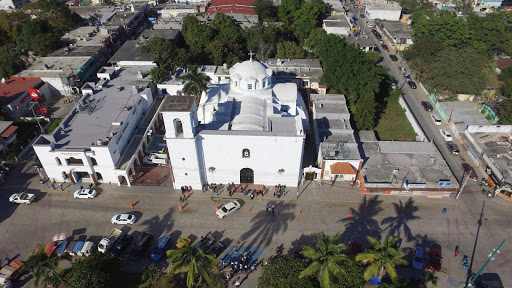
[404, 214]
[361, 223]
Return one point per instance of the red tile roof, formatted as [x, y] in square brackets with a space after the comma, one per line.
[341, 168]
[8, 132]
[231, 6]
[504, 63]
[14, 87]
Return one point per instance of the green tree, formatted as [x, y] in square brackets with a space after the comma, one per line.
[283, 271]
[287, 8]
[353, 276]
[506, 78]
[315, 39]
[196, 35]
[308, 17]
[458, 74]
[266, 10]
[262, 40]
[29, 31]
[11, 24]
[327, 257]
[289, 49]
[490, 35]
[505, 112]
[10, 62]
[197, 264]
[430, 277]
[195, 82]
[157, 74]
[94, 271]
[45, 267]
[58, 15]
[421, 55]
[365, 111]
[383, 258]
[166, 55]
[446, 28]
[151, 274]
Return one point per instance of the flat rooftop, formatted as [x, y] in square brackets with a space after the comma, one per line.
[87, 36]
[170, 34]
[464, 112]
[296, 68]
[14, 87]
[97, 114]
[78, 51]
[361, 41]
[231, 6]
[397, 29]
[177, 104]
[395, 161]
[108, 16]
[497, 148]
[384, 6]
[130, 51]
[342, 151]
[54, 66]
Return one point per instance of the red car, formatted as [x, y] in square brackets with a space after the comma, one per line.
[470, 170]
[44, 110]
[393, 58]
[384, 46]
[435, 258]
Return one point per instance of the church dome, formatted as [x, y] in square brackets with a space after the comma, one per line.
[250, 75]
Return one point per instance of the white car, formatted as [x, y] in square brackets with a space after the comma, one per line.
[436, 119]
[124, 219]
[22, 198]
[447, 136]
[370, 25]
[85, 194]
[227, 209]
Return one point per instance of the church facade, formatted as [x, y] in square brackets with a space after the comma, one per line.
[246, 129]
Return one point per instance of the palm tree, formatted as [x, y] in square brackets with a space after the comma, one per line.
[195, 82]
[430, 277]
[197, 264]
[382, 258]
[326, 256]
[46, 267]
[151, 273]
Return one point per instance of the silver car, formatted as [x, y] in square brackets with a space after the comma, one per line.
[124, 219]
[85, 194]
[227, 209]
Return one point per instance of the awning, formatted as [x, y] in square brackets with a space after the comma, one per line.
[342, 168]
[9, 131]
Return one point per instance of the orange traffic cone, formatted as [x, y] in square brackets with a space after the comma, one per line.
[249, 209]
[216, 208]
[350, 214]
[278, 212]
[181, 207]
[131, 205]
[299, 212]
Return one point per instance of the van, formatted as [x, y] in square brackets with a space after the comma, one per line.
[87, 249]
[141, 244]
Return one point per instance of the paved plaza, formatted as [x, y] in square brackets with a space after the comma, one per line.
[476, 223]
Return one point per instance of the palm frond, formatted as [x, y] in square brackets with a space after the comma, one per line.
[311, 270]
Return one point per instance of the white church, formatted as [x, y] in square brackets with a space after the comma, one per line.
[247, 129]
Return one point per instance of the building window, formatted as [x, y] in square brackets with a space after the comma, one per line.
[264, 83]
[74, 161]
[94, 163]
[125, 126]
[246, 153]
[305, 83]
[58, 161]
[249, 86]
[236, 83]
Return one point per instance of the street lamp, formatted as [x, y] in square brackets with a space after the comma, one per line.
[37, 120]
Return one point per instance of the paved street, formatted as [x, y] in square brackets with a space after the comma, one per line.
[322, 209]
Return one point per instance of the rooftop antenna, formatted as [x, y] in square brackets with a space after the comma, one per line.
[250, 55]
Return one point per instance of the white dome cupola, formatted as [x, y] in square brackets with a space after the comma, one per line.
[250, 75]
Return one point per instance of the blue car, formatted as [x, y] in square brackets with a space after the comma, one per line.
[160, 248]
[417, 258]
[361, 16]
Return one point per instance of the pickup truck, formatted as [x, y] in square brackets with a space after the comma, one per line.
[206, 242]
[78, 248]
[155, 158]
[107, 242]
[22, 197]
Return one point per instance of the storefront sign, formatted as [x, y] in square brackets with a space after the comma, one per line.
[493, 177]
[408, 185]
[33, 93]
[443, 183]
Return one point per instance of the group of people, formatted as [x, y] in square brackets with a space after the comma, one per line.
[280, 190]
[253, 193]
[184, 189]
[238, 265]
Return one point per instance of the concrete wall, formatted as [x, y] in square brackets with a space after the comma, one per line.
[414, 123]
[489, 128]
[391, 15]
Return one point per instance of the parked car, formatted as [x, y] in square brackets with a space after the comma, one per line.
[417, 258]
[411, 84]
[22, 198]
[44, 110]
[361, 16]
[121, 245]
[370, 25]
[141, 244]
[470, 170]
[436, 119]
[384, 46]
[354, 248]
[436, 258]
[217, 249]
[227, 209]
[403, 70]
[446, 135]
[206, 242]
[180, 244]
[488, 280]
[453, 148]
[427, 106]
[393, 58]
[84, 194]
[124, 219]
[160, 247]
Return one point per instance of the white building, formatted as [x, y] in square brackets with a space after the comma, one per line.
[247, 129]
[390, 11]
[12, 4]
[337, 24]
[97, 141]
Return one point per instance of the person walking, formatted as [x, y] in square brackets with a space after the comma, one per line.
[184, 197]
[60, 186]
[237, 284]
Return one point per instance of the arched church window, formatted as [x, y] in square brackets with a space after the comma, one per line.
[236, 83]
[246, 153]
[249, 86]
[264, 83]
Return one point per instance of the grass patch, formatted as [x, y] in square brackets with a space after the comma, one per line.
[393, 125]
[54, 125]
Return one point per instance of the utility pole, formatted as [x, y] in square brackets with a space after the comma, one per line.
[35, 116]
[491, 257]
[463, 184]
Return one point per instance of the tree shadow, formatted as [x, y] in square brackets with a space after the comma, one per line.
[157, 225]
[265, 226]
[404, 214]
[361, 223]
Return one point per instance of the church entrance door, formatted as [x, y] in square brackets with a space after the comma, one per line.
[309, 176]
[246, 175]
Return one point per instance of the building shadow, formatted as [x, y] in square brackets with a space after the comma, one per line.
[404, 214]
[361, 222]
[264, 226]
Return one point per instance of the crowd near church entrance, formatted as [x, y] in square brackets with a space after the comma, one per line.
[246, 175]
